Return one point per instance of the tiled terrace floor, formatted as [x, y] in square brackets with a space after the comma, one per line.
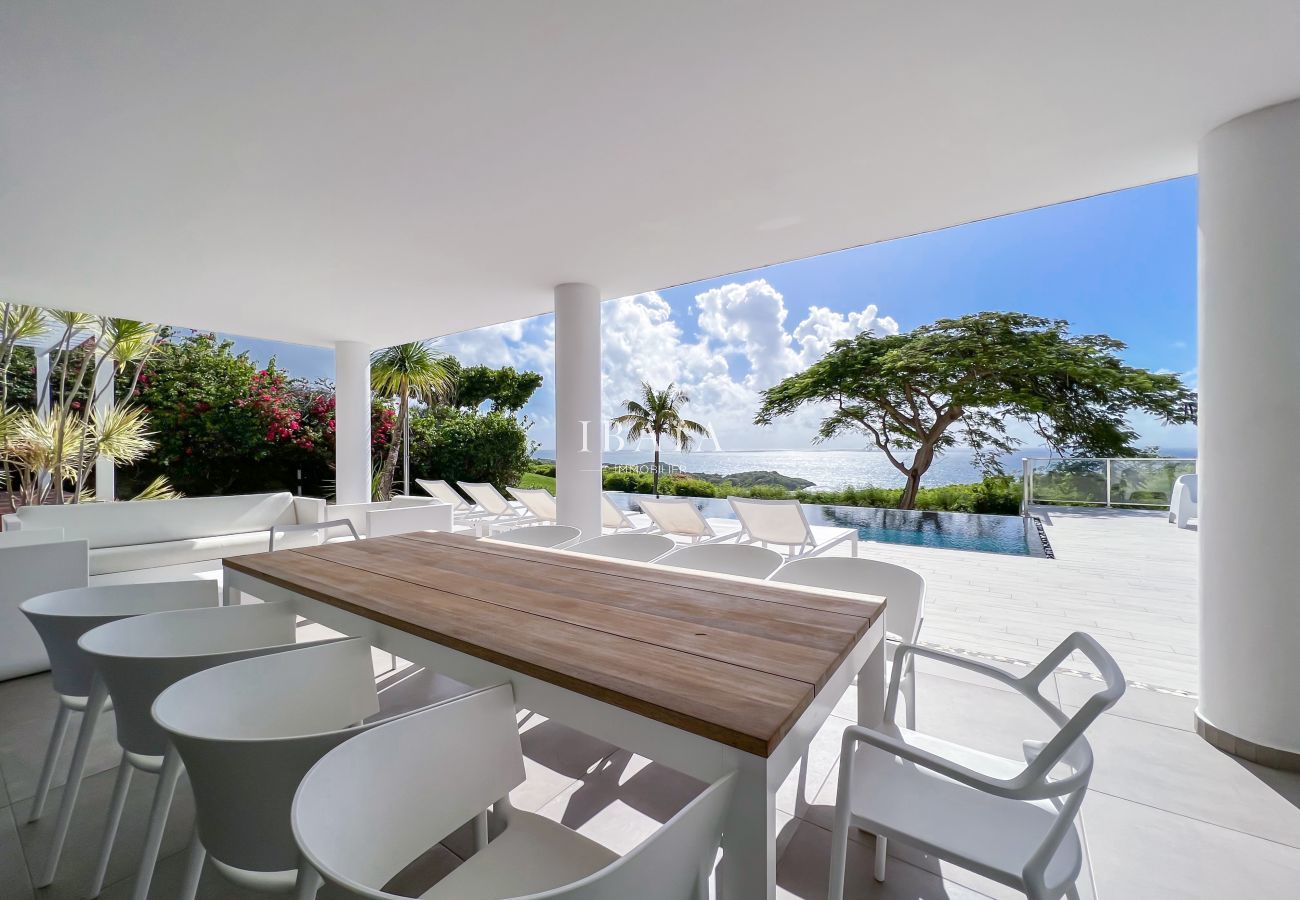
[1167, 816]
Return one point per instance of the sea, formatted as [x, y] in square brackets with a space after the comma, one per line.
[832, 469]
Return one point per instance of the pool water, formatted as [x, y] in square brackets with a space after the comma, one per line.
[955, 531]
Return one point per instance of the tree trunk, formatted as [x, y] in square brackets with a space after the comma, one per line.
[656, 466]
[908, 499]
[921, 462]
[394, 448]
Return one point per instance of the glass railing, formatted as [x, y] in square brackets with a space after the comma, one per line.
[1103, 482]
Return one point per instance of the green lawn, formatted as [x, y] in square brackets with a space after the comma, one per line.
[531, 480]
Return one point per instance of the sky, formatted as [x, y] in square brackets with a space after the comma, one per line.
[1122, 264]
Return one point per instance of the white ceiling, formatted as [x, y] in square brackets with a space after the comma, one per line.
[310, 170]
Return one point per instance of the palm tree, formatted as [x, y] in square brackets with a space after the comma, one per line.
[659, 413]
[415, 370]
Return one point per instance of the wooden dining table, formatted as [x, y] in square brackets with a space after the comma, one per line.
[703, 673]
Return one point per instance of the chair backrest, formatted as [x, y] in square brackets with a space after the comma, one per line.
[62, 617]
[1190, 481]
[376, 802]
[725, 559]
[248, 731]
[902, 588]
[1068, 745]
[676, 515]
[611, 516]
[541, 535]
[443, 491]
[637, 547]
[665, 866]
[773, 521]
[141, 657]
[537, 501]
[488, 497]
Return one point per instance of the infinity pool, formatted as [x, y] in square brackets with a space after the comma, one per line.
[954, 531]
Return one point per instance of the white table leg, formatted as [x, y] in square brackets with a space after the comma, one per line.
[748, 869]
[230, 595]
[871, 688]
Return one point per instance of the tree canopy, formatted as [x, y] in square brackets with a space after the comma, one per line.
[659, 415]
[507, 389]
[962, 381]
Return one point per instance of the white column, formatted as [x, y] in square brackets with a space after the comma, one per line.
[577, 406]
[1249, 432]
[105, 475]
[351, 422]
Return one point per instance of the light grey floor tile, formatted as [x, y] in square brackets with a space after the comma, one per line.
[28, 707]
[978, 716]
[1170, 710]
[556, 757]
[82, 846]
[15, 881]
[803, 870]
[1141, 853]
[624, 801]
[1179, 772]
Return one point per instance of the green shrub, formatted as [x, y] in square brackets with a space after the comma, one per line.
[995, 495]
[460, 445]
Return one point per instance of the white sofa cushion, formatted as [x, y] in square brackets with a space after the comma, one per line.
[131, 523]
[189, 550]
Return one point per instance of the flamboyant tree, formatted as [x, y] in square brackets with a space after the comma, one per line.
[962, 381]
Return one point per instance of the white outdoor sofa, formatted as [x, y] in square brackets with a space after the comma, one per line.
[34, 561]
[401, 515]
[147, 534]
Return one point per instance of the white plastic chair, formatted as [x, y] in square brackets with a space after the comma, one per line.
[1010, 821]
[902, 588]
[378, 801]
[1183, 500]
[539, 503]
[461, 508]
[744, 560]
[612, 516]
[247, 732]
[283, 530]
[635, 547]
[785, 523]
[61, 618]
[139, 658]
[677, 515]
[556, 537]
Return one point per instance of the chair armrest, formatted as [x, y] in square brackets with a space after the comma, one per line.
[308, 510]
[11, 522]
[856, 734]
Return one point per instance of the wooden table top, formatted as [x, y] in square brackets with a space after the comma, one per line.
[733, 660]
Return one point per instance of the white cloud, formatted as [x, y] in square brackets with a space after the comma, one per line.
[746, 322]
